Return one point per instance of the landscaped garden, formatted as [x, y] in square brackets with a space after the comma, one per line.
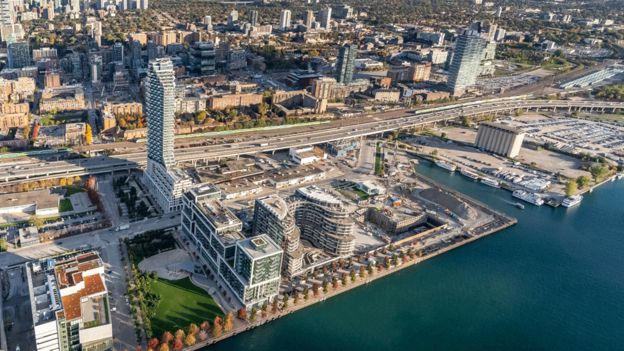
[181, 303]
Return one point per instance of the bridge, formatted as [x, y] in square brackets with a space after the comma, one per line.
[336, 130]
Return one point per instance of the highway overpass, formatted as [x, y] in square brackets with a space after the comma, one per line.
[336, 130]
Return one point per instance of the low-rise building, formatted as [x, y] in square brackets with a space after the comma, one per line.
[42, 203]
[499, 139]
[234, 100]
[66, 98]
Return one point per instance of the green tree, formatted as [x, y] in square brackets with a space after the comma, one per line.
[571, 188]
[36, 221]
[583, 181]
[598, 172]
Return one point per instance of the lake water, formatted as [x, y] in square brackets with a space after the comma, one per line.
[555, 281]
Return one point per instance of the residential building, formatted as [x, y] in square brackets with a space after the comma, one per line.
[325, 18]
[203, 55]
[323, 220]
[285, 19]
[345, 63]
[234, 100]
[272, 217]
[309, 19]
[249, 267]
[165, 182]
[118, 52]
[322, 88]
[499, 139]
[254, 18]
[19, 54]
[465, 65]
[70, 303]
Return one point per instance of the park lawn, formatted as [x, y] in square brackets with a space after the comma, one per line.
[65, 205]
[181, 303]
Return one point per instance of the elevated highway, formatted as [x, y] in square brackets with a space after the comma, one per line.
[336, 130]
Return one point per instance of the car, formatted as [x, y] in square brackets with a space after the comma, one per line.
[113, 309]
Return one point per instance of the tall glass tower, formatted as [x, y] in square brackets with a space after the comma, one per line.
[160, 112]
[345, 63]
[465, 66]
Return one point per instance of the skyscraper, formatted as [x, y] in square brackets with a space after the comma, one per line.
[465, 66]
[232, 18]
[285, 19]
[160, 112]
[19, 54]
[203, 57]
[208, 22]
[118, 52]
[325, 18]
[345, 63]
[163, 180]
[254, 18]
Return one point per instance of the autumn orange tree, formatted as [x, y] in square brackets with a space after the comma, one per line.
[229, 322]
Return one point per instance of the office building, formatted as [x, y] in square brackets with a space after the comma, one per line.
[208, 22]
[250, 267]
[165, 182]
[325, 18]
[19, 55]
[254, 18]
[499, 139]
[323, 220]
[203, 58]
[70, 304]
[465, 65]
[285, 19]
[273, 218]
[142, 4]
[345, 63]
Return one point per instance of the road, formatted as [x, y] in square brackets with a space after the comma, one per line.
[311, 135]
[96, 239]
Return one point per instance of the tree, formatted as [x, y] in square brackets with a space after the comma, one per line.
[205, 326]
[193, 329]
[571, 188]
[254, 312]
[166, 337]
[242, 313]
[26, 132]
[201, 117]
[583, 181]
[88, 135]
[190, 340]
[152, 343]
[598, 172]
[202, 335]
[217, 327]
[36, 221]
[178, 345]
[229, 322]
[164, 347]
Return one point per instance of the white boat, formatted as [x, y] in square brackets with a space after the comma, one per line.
[620, 176]
[528, 197]
[469, 174]
[490, 182]
[572, 201]
[448, 166]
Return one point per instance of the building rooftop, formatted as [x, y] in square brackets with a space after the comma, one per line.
[259, 246]
[502, 127]
[275, 204]
[313, 192]
[219, 215]
[42, 198]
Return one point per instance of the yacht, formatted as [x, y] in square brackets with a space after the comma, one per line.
[469, 174]
[528, 197]
[490, 182]
[448, 166]
[572, 201]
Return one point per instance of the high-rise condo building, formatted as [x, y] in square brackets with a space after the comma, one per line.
[325, 18]
[285, 19]
[232, 18]
[249, 267]
[466, 62]
[19, 54]
[7, 16]
[203, 57]
[254, 18]
[165, 182]
[118, 52]
[272, 217]
[309, 19]
[323, 220]
[345, 63]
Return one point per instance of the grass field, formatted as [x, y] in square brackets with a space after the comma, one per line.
[65, 205]
[181, 303]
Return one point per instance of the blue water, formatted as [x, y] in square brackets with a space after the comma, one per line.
[555, 281]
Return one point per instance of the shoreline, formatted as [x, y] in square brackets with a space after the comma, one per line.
[501, 220]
